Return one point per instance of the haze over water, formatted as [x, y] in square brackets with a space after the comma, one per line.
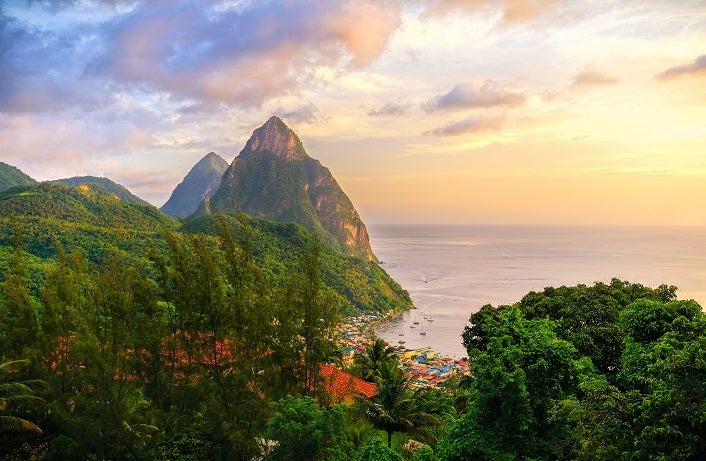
[451, 271]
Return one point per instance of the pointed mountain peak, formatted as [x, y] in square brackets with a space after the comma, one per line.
[276, 137]
[210, 159]
[203, 180]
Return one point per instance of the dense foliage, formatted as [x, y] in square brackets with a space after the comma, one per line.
[612, 371]
[139, 338]
[10, 176]
[108, 185]
[164, 342]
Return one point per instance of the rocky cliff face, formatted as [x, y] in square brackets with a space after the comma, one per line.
[274, 178]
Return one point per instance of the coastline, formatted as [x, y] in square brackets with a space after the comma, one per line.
[423, 365]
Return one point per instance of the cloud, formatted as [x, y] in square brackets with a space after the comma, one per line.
[513, 11]
[308, 113]
[470, 125]
[241, 56]
[77, 53]
[698, 67]
[592, 77]
[475, 95]
[42, 70]
[389, 109]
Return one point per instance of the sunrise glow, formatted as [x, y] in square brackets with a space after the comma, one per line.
[491, 111]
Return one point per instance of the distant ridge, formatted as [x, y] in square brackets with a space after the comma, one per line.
[110, 186]
[274, 178]
[203, 180]
[11, 176]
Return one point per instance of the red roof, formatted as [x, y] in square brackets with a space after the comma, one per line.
[343, 386]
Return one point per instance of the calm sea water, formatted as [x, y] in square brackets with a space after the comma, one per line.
[451, 271]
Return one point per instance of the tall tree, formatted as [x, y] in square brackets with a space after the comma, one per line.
[64, 298]
[18, 315]
[399, 407]
[250, 328]
[307, 314]
[367, 363]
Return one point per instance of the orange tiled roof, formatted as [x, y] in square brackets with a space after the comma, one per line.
[343, 386]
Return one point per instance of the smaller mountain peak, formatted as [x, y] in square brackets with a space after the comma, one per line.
[276, 137]
[211, 159]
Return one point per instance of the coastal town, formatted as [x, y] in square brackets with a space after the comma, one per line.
[423, 365]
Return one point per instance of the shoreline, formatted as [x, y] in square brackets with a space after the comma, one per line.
[424, 366]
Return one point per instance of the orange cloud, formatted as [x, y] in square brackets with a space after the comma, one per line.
[513, 11]
[698, 67]
[476, 95]
[592, 77]
[262, 51]
[470, 125]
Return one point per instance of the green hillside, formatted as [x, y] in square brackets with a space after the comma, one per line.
[277, 247]
[110, 186]
[85, 217]
[88, 218]
[11, 177]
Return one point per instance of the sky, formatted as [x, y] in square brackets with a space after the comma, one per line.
[425, 111]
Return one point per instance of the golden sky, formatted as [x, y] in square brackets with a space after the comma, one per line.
[448, 111]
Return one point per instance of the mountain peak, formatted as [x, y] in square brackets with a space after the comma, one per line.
[274, 178]
[203, 180]
[276, 137]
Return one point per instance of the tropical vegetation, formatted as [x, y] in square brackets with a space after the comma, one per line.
[127, 335]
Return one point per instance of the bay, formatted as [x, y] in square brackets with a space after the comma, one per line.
[451, 271]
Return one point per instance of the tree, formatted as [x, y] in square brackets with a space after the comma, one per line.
[64, 298]
[368, 362]
[663, 374]
[303, 431]
[13, 393]
[517, 379]
[306, 315]
[109, 412]
[20, 325]
[399, 407]
[376, 450]
[588, 316]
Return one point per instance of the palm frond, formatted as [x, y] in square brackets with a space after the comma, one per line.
[14, 424]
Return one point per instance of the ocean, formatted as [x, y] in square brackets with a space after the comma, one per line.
[451, 271]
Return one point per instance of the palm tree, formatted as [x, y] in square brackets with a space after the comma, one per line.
[400, 408]
[372, 357]
[11, 393]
